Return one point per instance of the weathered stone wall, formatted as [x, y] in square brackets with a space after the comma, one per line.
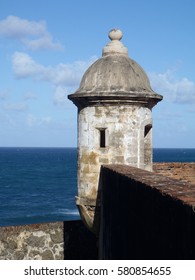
[145, 215]
[127, 141]
[49, 241]
[40, 241]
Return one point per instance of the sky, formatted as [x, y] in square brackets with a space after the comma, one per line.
[46, 46]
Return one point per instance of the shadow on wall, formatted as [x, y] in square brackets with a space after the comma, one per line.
[79, 242]
[145, 216]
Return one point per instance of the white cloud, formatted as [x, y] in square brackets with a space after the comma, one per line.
[32, 121]
[16, 27]
[68, 75]
[43, 122]
[45, 42]
[24, 66]
[32, 34]
[174, 90]
[60, 95]
[63, 77]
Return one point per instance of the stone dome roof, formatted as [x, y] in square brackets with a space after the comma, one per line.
[115, 73]
[115, 76]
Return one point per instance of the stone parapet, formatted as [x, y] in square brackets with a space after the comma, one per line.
[184, 171]
[48, 241]
[38, 241]
[145, 215]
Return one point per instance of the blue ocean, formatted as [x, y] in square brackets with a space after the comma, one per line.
[39, 184]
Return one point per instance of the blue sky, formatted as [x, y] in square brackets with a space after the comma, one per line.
[46, 46]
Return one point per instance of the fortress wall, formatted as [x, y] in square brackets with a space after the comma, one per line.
[48, 241]
[145, 215]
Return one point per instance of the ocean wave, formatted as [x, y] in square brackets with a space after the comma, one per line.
[67, 212]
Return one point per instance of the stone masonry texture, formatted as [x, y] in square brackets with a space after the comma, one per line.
[38, 241]
[47, 241]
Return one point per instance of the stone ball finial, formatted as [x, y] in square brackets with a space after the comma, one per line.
[115, 34]
[115, 47]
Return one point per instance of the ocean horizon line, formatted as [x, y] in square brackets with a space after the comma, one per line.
[66, 147]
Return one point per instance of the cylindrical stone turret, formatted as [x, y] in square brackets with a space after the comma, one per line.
[114, 103]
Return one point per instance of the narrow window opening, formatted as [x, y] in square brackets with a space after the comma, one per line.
[147, 146]
[147, 129]
[102, 138]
